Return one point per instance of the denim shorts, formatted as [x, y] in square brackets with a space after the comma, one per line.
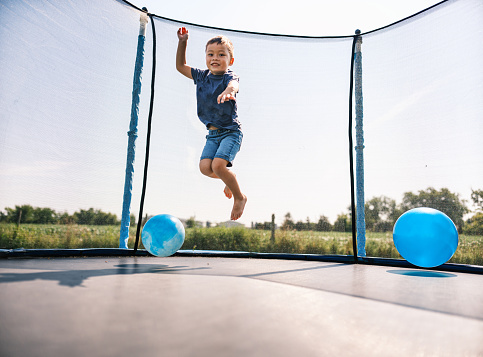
[222, 143]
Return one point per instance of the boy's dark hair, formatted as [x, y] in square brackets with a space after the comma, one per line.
[222, 40]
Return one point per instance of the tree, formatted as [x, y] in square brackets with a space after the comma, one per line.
[288, 224]
[95, 217]
[443, 200]
[191, 223]
[342, 223]
[24, 213]
[29, 214]
[266, 226]
[44, 216]
[474, 225]
[323, 225]
[477, 197]
[300, 226]
[39, 215]
[65, 218]
[381, 213]
[104, 219]
[84, 216]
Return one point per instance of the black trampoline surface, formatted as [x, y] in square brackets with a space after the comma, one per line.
[201, 306]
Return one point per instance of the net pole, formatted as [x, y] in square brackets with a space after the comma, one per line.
[360, 211]
[148, 139]
[351, 154]
[133, 133]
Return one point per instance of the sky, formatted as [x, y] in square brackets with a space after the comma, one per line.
[303, 17]
[66, 85]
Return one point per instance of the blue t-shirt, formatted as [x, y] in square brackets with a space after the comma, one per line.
[208, 87]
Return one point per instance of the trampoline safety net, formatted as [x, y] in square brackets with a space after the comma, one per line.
[66, 83]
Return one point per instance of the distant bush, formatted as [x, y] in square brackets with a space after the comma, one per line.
[38, 215]
[474, 225]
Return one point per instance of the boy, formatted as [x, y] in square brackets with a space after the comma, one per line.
[216, 90]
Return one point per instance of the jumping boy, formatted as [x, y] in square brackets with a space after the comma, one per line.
[216, 89]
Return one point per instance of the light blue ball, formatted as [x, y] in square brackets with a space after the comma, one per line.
[425, 237]
[163, 235]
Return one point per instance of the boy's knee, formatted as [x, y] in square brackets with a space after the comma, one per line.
[205, 167]
[219, 165]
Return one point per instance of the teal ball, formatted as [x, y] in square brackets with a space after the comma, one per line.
[163, 235]
[425, 237]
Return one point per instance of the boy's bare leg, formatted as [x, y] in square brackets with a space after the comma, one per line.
[229, 178]
[227, 190]
[219, 170]
[205, 168]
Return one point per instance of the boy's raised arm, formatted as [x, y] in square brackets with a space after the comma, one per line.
[181, 53]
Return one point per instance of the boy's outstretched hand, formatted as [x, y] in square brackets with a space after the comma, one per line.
[229, 92]
[223, 97]
[183, 34]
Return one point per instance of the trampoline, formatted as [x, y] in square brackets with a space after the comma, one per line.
[417, 85]
[215, 306]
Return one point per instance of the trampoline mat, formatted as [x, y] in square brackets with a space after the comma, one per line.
[199, 306]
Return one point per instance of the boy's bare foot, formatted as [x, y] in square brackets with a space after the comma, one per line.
[228, 192]
[238, 207]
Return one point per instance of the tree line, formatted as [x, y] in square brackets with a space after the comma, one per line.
[382, 212]
[38, 215]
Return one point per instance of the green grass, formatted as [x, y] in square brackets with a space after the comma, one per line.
[40, 236]
[470, 248]
[242, 239]
[34, 236]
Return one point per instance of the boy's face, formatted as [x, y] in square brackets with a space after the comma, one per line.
[218, 58]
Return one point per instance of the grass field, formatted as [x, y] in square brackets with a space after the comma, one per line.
[34, 236]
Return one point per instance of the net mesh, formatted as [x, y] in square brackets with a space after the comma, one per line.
[290, 154]
[422, 100]
[65, 94]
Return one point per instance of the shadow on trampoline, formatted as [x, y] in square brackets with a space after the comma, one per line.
[289, 271]
[73, 278]
[76, 277]
[423, 273]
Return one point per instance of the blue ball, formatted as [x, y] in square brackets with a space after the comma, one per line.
[163, 235]
[425, 237]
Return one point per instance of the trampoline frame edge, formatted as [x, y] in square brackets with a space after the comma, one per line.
[345, 259]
